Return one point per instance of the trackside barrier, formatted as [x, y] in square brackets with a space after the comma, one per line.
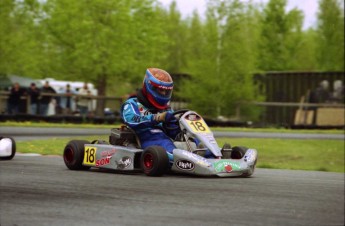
[288, 114]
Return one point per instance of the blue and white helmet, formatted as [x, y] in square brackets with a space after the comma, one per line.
[158, 87]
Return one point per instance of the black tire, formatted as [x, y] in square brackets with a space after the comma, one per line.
[99, 142]
[73, 155]
[13, 153]
[238, 152]
[154, 161]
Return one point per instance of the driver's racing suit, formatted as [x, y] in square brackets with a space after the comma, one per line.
[149, 131]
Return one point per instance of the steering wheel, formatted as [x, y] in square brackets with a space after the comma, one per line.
[179, 113]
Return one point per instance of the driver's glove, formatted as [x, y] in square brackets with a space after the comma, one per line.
[166, 116]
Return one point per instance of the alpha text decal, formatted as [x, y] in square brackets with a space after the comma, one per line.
[183, 164]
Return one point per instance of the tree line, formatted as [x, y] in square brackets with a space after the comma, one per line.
[112, 42]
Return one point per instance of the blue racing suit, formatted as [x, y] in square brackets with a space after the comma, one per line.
[149, 131]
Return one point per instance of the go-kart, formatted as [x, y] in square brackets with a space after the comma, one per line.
[124, 153]
[7, 148]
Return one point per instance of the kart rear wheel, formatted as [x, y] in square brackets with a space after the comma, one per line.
[13, 151]
[73, 155]
[154, 161]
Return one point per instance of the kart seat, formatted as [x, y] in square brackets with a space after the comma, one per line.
[124, 136]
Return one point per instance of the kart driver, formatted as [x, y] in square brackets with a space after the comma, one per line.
[149, 114]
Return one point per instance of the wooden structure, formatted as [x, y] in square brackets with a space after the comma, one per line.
[291, 87]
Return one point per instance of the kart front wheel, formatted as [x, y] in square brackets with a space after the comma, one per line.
[238, 152]
[154, 161]
[73, 155]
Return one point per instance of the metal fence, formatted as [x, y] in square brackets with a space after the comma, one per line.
[96, 103]
[285, 104]
[287, 114]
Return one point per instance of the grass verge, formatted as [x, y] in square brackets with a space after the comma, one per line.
[230, 129]
[319, 155]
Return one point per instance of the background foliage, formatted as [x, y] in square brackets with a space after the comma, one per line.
[112, 42]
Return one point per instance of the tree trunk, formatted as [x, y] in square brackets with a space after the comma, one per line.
[101, 87]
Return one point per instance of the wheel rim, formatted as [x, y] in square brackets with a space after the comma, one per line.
[68, 156]
[148, 161]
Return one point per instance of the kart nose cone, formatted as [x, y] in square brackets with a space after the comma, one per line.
[251, 156]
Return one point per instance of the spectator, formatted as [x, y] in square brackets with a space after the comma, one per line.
[90, 104]
[320, 95]
[338, 92]
[66, 101]
[33, 93]
[14, 99]
[84, 102]
[46, 99]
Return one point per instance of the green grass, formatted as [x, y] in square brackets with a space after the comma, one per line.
[232, 129]
[319, 155]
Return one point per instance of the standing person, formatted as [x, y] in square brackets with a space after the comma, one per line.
[66, 101]
[45, 100]
[338, 92]
[13, 101]
[84, 100]
[321, 94]
[318, 96]
[33, 93]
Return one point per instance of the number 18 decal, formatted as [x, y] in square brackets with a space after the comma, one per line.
[199, 126]
[90, 155]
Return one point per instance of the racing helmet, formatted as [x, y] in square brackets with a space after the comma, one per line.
[158, 87]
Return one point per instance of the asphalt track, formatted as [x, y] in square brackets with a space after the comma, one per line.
[40, 190]
[36, 190]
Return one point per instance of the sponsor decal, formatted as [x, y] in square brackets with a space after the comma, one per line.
[123, 163]
[228, 168]
[160, 86]
[143, 111]
[225, 166]
[196, 158]
[191, 155]
[108, 153]
[136, 118]
[183, 164]
[210, 138]
[103, 161]
[192, 117]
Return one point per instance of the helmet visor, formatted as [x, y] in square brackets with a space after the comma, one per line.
[160, 90]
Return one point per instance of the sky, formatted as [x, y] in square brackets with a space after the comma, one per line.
[309, 8]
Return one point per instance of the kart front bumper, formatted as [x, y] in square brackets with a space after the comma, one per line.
[189, 163]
